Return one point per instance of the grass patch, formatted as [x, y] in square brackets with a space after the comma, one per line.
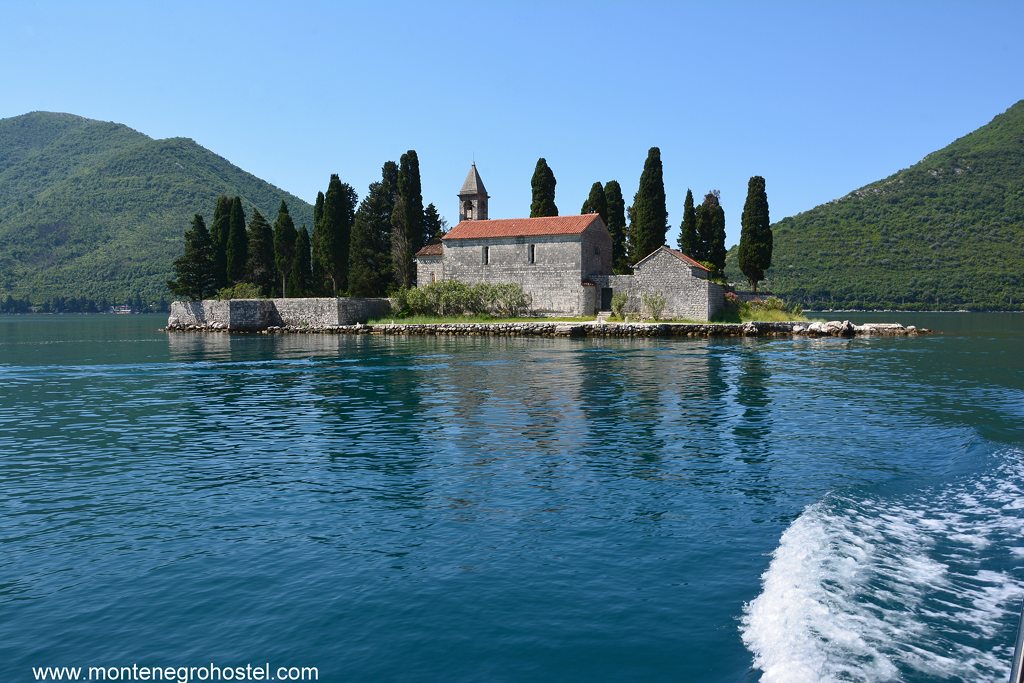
[770, 310]
[771, 316]
[452, 319]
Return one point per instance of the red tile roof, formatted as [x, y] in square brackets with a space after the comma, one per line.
[522, 227]
[432, 249]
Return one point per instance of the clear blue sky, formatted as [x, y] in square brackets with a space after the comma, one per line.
[818, 97]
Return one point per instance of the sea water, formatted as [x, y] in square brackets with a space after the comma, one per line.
[390, 508]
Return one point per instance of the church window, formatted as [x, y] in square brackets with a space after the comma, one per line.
[485, 256]
[532, 253]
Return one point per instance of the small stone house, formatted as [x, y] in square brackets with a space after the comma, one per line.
[564, 263]
[682, 281]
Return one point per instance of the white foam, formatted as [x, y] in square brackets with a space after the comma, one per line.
[868, 590]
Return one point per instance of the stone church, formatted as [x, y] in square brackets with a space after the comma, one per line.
[564, 263]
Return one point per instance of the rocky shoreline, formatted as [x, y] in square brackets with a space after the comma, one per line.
[832, 328]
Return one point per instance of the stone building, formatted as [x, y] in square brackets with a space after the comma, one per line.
[564, 263]
[682, 281]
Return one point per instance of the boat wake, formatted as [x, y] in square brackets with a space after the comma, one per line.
[925, 586]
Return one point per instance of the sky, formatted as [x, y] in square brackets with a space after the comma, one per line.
[818, 97]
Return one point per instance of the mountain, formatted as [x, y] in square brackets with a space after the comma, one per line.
[96, 209]
[946, 233]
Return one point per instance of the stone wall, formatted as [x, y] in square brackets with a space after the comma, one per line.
[352, 310]
[687, 294]
[596, 247]
[252, 315]
[202, 313]
[429, 269]
[553, 280]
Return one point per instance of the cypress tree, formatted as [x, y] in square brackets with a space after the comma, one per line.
[317, 286]
[701, 227]
[755, 251]
[300, 280]
[332, 235]
[400, 246]
[219, 231]
[284, 245]
[318, 209]
[596, 202]
[433, 225]
[616, 207]
[543, 184]
[370, 257]
[688, 229]
[194, 270]
[407, 226]
[711, 232]
[648, 214]
[260, 268]
[238, 247]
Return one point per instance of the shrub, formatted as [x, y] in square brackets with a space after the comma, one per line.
[243, 290]
[452, 297]
[619, 302]
[508, 299]
[654, 304]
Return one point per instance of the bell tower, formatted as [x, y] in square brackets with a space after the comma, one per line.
[473, 198]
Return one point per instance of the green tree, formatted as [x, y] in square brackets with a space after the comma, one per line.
[434, 226]
[648, 214]
[596, 202]
[331, 237]
[688, 229]
[318, 209]
[300, 280]
[238, 244]
[616, 208]
[219, 231]
[194, 269]
[543, 184]
[260, 268]
[701, 227]
[407, 220]
[711, 232]
[319, 277]
[755, 250]
[370, 257]
[284, 245]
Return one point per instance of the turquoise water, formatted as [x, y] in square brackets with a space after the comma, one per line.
[513, 509]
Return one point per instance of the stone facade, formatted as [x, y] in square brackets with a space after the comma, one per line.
[550, 268]
[251, 315]
[430, 264]
[684, 284]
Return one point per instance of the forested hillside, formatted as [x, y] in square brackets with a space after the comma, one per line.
[96, 209]
[946, 233]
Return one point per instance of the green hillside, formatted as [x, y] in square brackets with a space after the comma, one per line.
[946, 233]
[96, 209]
